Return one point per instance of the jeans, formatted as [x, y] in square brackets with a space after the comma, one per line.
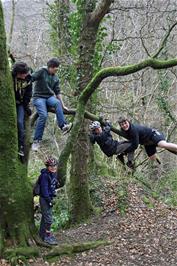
[21, 124]
[46, 219]
[41, 105]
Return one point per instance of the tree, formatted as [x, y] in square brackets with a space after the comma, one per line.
[16, 220]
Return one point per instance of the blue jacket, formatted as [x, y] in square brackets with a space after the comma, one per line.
[48, 183]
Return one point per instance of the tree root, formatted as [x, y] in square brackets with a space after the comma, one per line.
[66, 249]
[20, 255]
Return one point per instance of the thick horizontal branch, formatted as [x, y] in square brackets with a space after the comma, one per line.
[123, 71]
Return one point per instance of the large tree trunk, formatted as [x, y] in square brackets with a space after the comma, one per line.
[16, 215]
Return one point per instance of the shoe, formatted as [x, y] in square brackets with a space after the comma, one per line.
[36, 145]
[21, 151]
[66, 128]
[51, 240]
[130, 164]
[120, 157]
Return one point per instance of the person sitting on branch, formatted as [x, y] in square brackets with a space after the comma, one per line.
[110, 147]
[149, 137]
[47, 94]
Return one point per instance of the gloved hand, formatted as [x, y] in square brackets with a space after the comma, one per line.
[28, 111]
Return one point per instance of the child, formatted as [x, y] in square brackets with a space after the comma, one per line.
[149, 137]
[47, 94]
[23, 92]
[48, 183]
[103, 138]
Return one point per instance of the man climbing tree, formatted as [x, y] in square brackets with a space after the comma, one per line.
[149, 137]
[103, 138]
[46, 86]
[23, 91]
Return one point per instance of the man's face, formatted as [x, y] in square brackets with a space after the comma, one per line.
[125, 125]
[22, 75]
[98, 130]
[53, 70]
[52, 169]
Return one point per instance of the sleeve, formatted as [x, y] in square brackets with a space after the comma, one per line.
[134, 141]
[44, 187]
[92, 138]
[56, 88]
[27, 95]
[107, 128]
[36, 75]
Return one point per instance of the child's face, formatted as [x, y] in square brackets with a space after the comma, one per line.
[52, 169]
[125, 125]
[53, 70]
[98, 130]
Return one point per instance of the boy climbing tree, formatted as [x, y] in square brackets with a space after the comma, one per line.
[23, 91]
[110, 147]
[47, 94]
[149, 137]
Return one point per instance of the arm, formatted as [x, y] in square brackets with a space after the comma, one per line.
[92, 138]
[27, 96]
[59, 97]
[44, 187]
[36, 75]
[134, 140]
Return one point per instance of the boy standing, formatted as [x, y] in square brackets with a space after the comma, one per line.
[48, 183]
[23, 92]
[47, 94]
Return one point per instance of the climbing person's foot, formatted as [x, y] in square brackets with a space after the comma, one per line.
[36, 145]
[51, 240]
[66, 128]
[21, 151]
[120, 157]
[130, 165]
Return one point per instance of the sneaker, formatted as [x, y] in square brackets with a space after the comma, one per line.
[130, 165]
[51, 240]
[21, 151]
[66, 128]
[36, 145]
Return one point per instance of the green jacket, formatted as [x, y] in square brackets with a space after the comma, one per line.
[46, 85]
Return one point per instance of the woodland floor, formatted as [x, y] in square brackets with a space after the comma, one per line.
[144, 235]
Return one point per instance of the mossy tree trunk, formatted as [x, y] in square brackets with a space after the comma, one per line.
[16, 216]
[80, 204]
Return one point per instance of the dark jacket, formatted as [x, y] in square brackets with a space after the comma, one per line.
[23, 90]
[105, 141]
[46, 85]
[48, 183]
[137, 134]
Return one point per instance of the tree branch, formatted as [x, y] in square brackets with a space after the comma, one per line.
[164, 40]
[100, 11]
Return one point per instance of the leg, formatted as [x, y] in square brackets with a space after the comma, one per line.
[54, 102]
[46, 219]
[168, 146]
[151, 151]
[21, 124]
[41, 107]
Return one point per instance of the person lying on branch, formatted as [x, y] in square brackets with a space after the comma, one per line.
[149, 137]
[110, 147]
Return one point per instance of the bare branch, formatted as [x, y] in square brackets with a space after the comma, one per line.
[164, 40]
[100, 11]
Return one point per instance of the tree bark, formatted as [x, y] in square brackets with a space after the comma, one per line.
[16, 219]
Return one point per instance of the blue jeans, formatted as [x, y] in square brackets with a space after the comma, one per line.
[46, 219]
[21, 124]
[41, 105]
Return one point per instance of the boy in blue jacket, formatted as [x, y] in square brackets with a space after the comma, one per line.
[48, 183]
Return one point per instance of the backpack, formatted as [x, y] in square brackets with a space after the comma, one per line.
[36, 188]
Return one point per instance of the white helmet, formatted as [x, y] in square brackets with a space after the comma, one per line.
[94, 125]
